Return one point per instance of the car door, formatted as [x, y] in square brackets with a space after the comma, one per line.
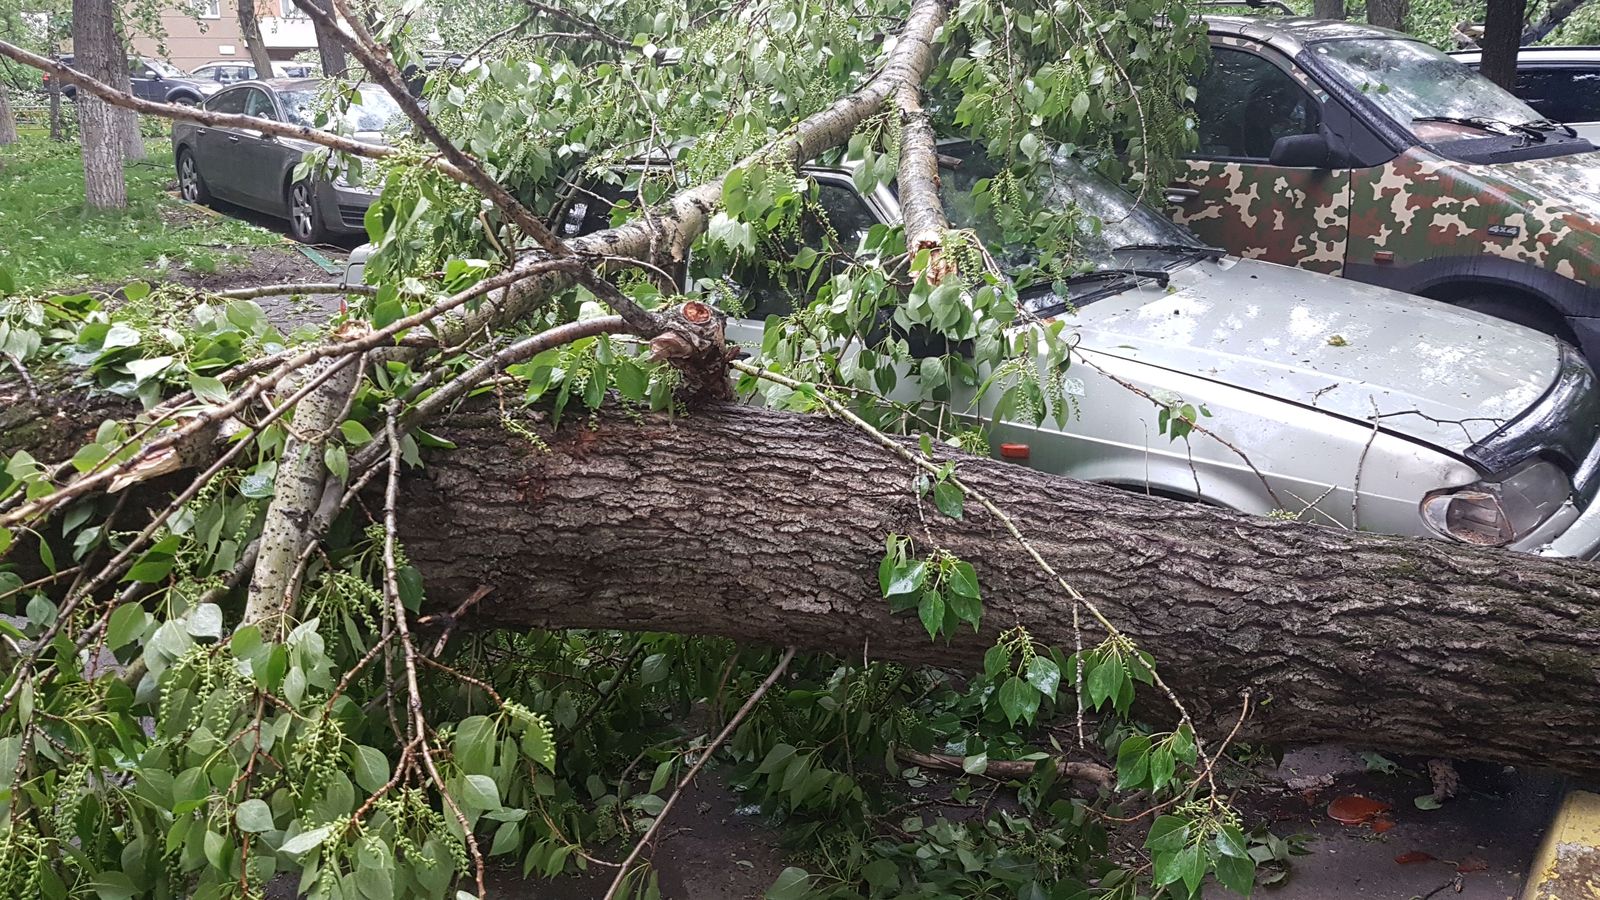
[1243, 188]
[1563, 93]
[218, 156]
[263, 159]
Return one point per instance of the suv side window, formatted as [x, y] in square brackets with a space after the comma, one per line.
[1245, 104]
[229, 101]
[1561, 94]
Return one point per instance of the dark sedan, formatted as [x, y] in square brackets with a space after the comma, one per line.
[257, 170]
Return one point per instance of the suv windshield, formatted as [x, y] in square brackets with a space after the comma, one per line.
[375, 111]
[1414, 83]
[1128, 233]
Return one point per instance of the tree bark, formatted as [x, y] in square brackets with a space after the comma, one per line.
[1502, 36]
[8, 119]
[132, 140]
[329, 50]
[1554, 15]
[768, 527]
[55, 110]
[250, 32]
[1389, 13]
[1328, 9]
[100, 136]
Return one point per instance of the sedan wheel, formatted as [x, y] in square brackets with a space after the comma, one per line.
[305, 223]
[190, 184]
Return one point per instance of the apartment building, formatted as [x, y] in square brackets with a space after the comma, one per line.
[205, 31]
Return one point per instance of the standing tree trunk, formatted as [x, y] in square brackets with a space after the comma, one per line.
[1502, 36]
[8, 119]
[767, 526]
[1328, 9]
[132, 140]
[250, 30]
[100, 135]
[1389, 13]
[54, 90]
[329, 49]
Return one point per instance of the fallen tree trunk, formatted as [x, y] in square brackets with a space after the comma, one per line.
[769, 527]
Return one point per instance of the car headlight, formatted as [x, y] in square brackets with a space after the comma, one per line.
[1493, 513]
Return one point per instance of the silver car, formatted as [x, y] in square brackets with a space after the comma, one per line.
[1334, 402]
[257, 170]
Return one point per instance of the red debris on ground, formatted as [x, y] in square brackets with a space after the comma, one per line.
[1382, 824]
[1414, 856]
[1471, 864]
[1354, 809]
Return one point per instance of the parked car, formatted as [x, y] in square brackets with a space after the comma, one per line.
[256, 170]
[1359, 406]
[156, 80]
[226, 72]
[1560, 83]
[1362, 152]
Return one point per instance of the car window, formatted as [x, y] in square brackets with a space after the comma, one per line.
[1412, 82]
[839, 220]
[259, 105]
[229, 101]
[1244, 104]
[1561, 94]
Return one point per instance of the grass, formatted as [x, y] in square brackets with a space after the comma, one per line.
[50, 242]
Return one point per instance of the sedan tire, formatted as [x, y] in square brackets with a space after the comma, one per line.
[305, 220]
[190, 183]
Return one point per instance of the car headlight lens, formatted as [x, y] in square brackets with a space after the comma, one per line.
[1493, 513]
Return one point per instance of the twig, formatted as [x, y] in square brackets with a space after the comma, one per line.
[22, 371]
[705, 756]
[455, 616]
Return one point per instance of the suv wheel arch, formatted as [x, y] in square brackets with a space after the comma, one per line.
[1522, 307]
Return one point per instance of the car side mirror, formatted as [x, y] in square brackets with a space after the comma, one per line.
[1302, 151]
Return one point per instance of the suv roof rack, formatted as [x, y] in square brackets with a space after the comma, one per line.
[1278, 5]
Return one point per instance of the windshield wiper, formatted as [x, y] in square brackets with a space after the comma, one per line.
[1159, 276]
[1198, 249]
[1552, 125]
[1484, 123]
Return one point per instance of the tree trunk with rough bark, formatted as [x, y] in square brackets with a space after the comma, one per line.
[250, 32]
[1329, 9]
[56, 132]
[8, 119]
[132, 140]
[100, 135]
[1389, 13]
[1502, 37]
[769, 527]
[329, 49]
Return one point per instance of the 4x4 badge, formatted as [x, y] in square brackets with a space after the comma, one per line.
[1504, 231]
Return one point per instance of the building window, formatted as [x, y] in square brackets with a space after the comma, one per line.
[290, 11]
[208, 9]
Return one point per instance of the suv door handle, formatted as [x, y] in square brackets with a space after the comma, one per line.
[233, 139]
[1177, 196]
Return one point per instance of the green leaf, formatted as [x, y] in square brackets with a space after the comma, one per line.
[480, 793]
[539, 746]
[948, 498]
[631, 381]
[931, 611]
[1237, 875]
[126, 624]
[474, 746]
[209, 389]
[1426, 801]
[1167, 833]
[5, 540]
[975, 764]
[1133, 761]
[1018, 700]
[205, 621]
[371, 768]
[253, 816]
[337, 461]
[1230, 841]
[355, 432]
[656, 667]
[1162, 767]
[306, 841]
[1105, 680]
[1045, 675]
[776, 759]
[907, 579]
[963, 580]
[792, 884]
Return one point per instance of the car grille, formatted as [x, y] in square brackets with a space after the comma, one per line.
[353, 215]
[1562, 427]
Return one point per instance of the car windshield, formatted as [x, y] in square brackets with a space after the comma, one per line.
[1120, 234]
[1414, 83]
[165, 69]
[375, 111]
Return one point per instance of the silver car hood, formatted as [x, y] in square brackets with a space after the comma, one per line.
[1435, 373]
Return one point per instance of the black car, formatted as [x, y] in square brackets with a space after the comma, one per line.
[1560, 83]
[153, 79]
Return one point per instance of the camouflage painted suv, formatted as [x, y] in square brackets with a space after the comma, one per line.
[1354, 150]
